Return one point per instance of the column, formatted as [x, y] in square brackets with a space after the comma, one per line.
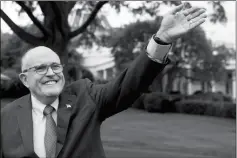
[189, 84]
[213, 87]
[233, 84]
[105, 74]
[114, 72]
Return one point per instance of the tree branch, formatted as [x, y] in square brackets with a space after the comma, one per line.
[20, 32]
[92, 16]
[59, 14]
[70, 5]
[33, 18]
[43, 6]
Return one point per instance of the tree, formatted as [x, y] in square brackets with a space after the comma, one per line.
[127, 43]
[196, 52]
[55, 32]
[12, 48]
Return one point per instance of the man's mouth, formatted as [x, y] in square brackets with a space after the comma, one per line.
[52, 82]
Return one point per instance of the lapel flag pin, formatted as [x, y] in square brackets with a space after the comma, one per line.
[68, 106]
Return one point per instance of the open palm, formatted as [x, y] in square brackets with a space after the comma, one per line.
[180, 21]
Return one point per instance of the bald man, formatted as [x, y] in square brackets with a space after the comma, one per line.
[64, 122]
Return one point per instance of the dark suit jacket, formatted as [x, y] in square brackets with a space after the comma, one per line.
[78, 127]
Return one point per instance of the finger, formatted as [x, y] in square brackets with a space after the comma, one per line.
[197, 21]
[196, 24]
[187, 5]
[195, 14]
[202, 16]
[190, 10]
[177, 9]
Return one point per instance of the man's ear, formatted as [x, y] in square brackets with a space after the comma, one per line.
[23, 79]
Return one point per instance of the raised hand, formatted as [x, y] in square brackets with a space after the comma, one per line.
[180, 21]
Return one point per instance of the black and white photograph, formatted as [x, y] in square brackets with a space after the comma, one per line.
[118, 79]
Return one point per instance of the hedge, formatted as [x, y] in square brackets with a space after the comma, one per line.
[212, 96]
[160, 102]
[194, 104]
[13, 89]
[206, 107]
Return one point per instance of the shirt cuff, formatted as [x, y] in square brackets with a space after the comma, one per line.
[158, 52]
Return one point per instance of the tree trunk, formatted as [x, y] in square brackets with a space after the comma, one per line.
[171, 75]
[55, 28]
[61, 49]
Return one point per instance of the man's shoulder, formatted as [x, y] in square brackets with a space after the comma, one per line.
[79, 85]
[12, 106]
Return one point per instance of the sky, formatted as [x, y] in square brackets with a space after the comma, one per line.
[219, 33]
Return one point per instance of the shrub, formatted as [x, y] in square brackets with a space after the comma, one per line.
[211, 96]
[207, 107]
[12, 88]
[173, 98]
[101, 81]
[229, 110]
[152, 102]
[158, 102]
[200, 104]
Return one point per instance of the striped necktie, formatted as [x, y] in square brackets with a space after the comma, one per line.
[50, 138]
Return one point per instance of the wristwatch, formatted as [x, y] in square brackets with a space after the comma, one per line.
[159, 41]
[157, 45]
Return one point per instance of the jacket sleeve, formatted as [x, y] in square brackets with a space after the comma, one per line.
[120, 93]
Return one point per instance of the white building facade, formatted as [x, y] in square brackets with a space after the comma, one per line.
[99, 61]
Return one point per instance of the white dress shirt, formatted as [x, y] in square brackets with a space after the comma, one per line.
[39, 123]
[158, 52]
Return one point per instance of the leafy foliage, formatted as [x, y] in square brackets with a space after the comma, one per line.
[12, 47]
[196, 52]
[57, 33]
[209, 108]
[131, 40]
[219, 12]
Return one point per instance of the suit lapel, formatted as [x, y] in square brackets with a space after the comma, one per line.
[66, 103]
[25, 122]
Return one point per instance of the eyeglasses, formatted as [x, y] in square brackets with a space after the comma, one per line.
[43, 69]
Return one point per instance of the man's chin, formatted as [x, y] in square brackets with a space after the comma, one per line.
[52, 93]
[53, 90]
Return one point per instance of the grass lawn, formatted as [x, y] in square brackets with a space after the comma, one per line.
[138, 134]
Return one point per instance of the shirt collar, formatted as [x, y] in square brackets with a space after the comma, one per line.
[38, 107]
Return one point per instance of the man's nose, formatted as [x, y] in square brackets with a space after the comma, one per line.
[50, 72]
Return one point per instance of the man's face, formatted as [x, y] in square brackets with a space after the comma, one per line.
[49, 84]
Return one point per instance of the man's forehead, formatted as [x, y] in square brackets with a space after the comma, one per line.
[39, 55]
[39, 51]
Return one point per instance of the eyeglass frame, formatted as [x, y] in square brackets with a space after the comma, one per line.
[47, 66]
